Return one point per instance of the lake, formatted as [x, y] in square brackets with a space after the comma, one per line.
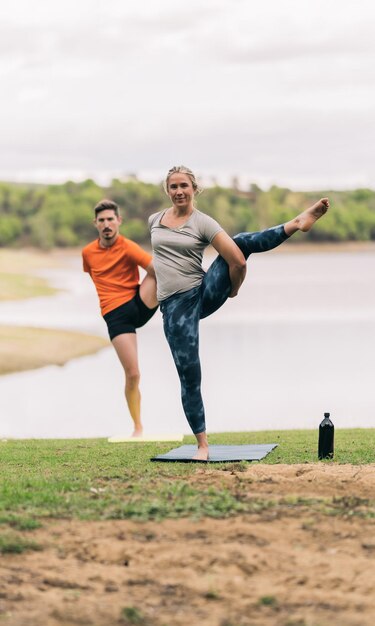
[298, 341]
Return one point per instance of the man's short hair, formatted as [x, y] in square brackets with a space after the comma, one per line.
[105, 205]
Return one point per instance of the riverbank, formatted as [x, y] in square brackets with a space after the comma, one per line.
[18, 279]
[26, 348]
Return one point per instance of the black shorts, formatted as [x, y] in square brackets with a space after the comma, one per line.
[127, 317]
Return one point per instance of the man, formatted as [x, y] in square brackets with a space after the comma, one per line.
[112, 262]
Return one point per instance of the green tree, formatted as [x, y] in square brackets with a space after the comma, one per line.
[10, 229]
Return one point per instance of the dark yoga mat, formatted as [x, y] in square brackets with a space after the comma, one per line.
[219, 454]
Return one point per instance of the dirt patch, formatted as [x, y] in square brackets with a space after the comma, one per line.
[297, 562]
[309, 479]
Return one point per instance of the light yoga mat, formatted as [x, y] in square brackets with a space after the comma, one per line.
[145, 438]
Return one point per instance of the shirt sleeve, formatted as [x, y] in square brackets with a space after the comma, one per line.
[138, 255]
[86, 266]
[210, 227]
[152, 219]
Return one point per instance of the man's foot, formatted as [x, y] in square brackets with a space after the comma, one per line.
[202, 454]
[307, 218]
[137, 432]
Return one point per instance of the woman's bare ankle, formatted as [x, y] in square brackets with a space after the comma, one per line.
[202, 453]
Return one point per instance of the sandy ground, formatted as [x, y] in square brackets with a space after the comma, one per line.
[281, 566]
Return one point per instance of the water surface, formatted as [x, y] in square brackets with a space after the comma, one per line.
[298, 340]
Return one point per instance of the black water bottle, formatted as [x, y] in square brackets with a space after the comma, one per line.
[326, 437]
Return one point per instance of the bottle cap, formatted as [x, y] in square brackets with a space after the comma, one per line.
[327, 414]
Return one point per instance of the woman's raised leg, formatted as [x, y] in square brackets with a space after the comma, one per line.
[216, 285]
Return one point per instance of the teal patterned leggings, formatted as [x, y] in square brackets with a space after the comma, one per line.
[182, 312]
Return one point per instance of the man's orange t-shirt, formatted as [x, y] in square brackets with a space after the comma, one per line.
[114, 270]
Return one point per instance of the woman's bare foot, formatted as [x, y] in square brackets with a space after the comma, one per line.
[307, 218]
[202, 453]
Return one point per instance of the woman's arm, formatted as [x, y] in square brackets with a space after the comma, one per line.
[231, 253]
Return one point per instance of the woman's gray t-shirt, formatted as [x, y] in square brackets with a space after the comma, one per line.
[178, 252]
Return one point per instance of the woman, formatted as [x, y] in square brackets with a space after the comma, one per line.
[186, 293]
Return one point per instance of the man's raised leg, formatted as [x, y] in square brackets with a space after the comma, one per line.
[147, 292]
[126, 348]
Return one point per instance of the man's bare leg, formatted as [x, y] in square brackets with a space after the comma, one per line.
[147, 292]
[306, 220]
[202, 454]
[126, 348]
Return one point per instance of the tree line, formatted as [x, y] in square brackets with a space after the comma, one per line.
[48, 216]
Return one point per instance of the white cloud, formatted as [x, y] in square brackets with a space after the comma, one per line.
[230, 86]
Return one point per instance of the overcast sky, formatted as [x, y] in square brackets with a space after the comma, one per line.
[273, 91]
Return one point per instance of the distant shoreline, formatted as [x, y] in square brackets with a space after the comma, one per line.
[351, 247]
[289, 247]
[327, 246]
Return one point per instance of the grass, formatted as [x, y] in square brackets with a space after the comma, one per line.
[268, 601]
[21, 286]
[19, 523]
[11, 543]
[132, 615]
[92, 479]
[29, 348]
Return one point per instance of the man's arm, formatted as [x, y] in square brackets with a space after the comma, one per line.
[85, 264]
[231, 253]
[150, 270]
